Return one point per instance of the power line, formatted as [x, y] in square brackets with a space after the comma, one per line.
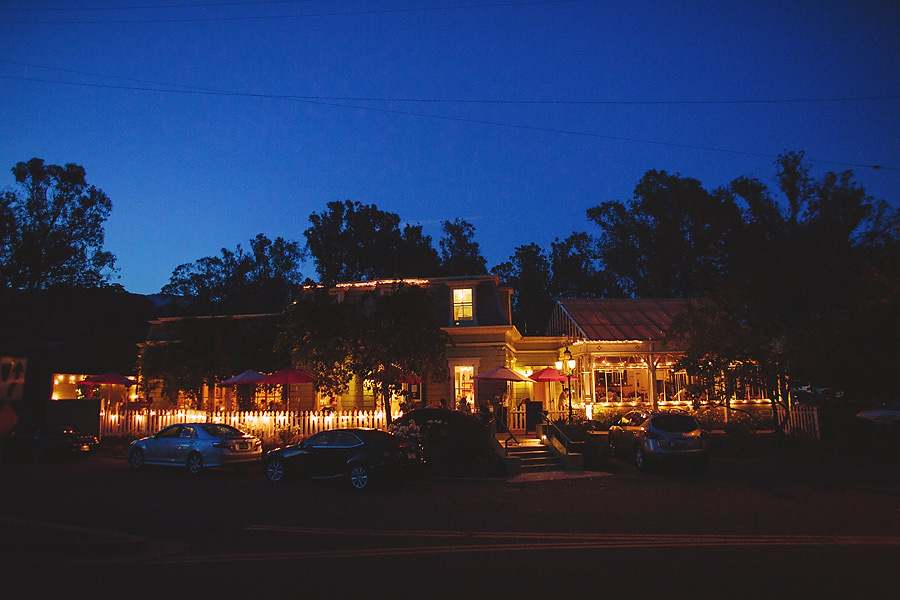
[147, 6]
[324, 102]
[384, 11]
[474, 100]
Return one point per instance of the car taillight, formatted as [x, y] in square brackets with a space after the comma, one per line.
[652, 435]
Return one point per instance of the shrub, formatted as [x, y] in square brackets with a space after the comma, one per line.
[452, 443]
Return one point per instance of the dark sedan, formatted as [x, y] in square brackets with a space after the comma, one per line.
[41, 442]
[357, 454]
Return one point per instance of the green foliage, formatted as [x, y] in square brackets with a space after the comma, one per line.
[528, 273]
[453, 443]
[380, 337]
[670, 241]
[80, 330]
[51, 229]
[260, 281]
[576, 269]
[357, 242]
[205, 351]
[460, 253]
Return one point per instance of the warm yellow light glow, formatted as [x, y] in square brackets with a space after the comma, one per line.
[369, 284]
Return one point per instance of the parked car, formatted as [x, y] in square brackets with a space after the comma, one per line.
[886, 416]
[41, 442]
[649, 437]
[195, 446]
[357, 454]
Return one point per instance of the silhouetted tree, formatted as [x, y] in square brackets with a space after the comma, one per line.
[51, 229]
[576, 269]
[670, 240]
[357, 242]
[260, 281]
[378, 337]
[460, 253]
[528, 273]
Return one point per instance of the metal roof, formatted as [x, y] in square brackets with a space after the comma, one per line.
[643, 319]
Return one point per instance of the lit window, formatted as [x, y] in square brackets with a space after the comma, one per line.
[464, 385]
[462, 304]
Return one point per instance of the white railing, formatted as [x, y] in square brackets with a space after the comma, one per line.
[803, 420]
[267, 425]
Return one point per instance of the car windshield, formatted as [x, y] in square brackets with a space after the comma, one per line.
[219, 430]
[675, 423]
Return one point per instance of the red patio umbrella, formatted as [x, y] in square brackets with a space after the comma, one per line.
[287, 377]
[109, 379]
[548, 374]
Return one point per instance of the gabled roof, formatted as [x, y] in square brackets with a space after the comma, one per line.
[643, 319]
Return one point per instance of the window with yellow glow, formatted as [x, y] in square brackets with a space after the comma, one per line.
[462, 304]
[464, 384]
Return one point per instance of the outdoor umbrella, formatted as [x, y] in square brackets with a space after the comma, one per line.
[547, 375]
[504, 374]
[109, 379]
[248, 376]
[286, 377]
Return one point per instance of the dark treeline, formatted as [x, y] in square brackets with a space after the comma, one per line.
[800, 277]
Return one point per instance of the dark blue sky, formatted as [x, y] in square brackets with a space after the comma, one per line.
[315, 110]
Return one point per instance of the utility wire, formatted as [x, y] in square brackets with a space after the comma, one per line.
[384, 11]
[211, 92]
[146, 6]
[463, 100]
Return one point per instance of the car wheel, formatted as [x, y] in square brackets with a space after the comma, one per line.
[640, 459]
[136, 458]
[194, 463]
[359, 476]
[275, 469]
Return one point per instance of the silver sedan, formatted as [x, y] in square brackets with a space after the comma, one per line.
[195, 446]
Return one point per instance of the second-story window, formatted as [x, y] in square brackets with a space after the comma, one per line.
[463, 307]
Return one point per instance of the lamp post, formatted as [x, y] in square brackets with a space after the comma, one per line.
[569, 364]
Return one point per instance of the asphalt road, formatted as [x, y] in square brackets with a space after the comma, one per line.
[757, 526]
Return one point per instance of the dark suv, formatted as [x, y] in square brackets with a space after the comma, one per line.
[655, 436]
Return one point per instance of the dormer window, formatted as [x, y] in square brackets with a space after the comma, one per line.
[463, 305]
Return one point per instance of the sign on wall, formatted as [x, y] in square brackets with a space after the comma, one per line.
[12, 378]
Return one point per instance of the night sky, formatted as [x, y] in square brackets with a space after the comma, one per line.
[210, 122]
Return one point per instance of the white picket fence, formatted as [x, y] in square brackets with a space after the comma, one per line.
[803, 420]
[266, 425]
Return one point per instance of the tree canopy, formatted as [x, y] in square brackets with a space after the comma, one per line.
[206, 351]
[460, 253]
[384, 338]
[351, 241]
[528, 273]
[263, 280]
[51, 229]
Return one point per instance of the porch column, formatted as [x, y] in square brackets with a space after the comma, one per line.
[651, 384]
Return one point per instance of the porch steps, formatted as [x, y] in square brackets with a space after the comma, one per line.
[534, 457]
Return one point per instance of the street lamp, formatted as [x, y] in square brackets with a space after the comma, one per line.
[569, 363]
